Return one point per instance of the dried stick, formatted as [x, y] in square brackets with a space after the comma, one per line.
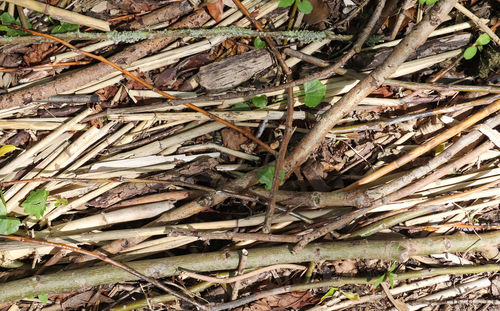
[151, 87]
[410, 156]
[241, 269]
[401, 16]
[478, 22]
[62, 14]
[110, 261]
[236, 236]
[240, 277]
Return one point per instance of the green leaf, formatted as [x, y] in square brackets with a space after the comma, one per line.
[315, 91]
[259, 43]
[285, 3]
[265, 175]
[7, 19]
[483, 39]
[60, 202]
[260, 101]
[421, 1]
[329, 293]
[9, 225]
[390, 278]
[470, 52]
[43, 298]
[304, 6]
[379, 280]
[392, 267]
[65, 27]
[351, 296]
[429, 2]
[3, 205]
[35, 203]
[240, 107]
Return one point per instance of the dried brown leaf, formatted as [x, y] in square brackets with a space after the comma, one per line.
[215, 9]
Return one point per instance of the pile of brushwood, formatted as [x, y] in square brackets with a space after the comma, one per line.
[249, 155]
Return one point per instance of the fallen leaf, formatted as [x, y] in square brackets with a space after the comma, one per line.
[38, 53]
[166, 77]
[233, 140]
[320, 12]
[215, 9]
[6, 149]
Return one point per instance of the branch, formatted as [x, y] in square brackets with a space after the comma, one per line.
[399, 249]
[139, 35]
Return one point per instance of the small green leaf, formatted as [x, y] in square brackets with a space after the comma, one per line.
[304, 6]
[470, 52]
[392, 267]
[285, 3]
[65, 27]
[240, 107]
[421, 1]
[483, 39]
[60, 202]
[429, 2]
[379, 280]
[315, 91]
[35, 203]
[329, 293]
[351, 296]
[43, 298]
[390, 278]
[260, 101]
[259, 43]
[282, 175]
[265, 175]
[9, 225]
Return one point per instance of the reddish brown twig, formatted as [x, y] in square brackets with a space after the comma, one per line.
[110, 261]
[149, 86]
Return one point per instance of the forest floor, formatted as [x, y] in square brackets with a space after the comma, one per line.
[254, 155]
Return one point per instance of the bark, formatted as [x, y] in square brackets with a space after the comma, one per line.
[233, 71]
[71, 80]
[400, 250]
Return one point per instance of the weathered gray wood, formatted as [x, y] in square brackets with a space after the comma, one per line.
[233, 71]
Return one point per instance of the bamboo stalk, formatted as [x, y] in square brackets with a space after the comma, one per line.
[62, 14]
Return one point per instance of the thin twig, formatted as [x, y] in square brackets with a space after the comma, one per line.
[243, 276]
[241, 268]
[478, 22]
